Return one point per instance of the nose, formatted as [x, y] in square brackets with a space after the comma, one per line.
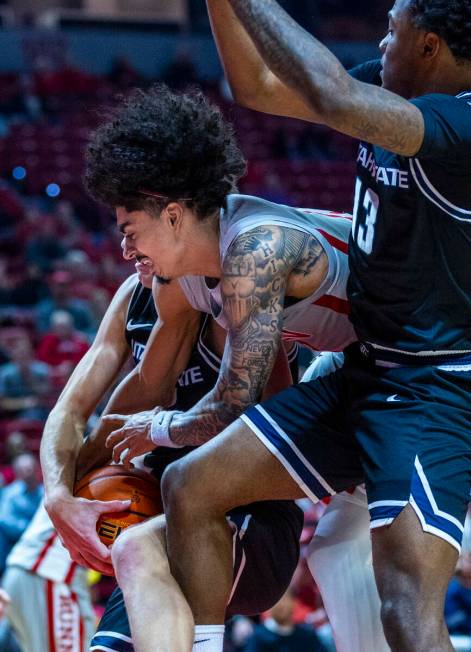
[383, 43]
[129, 251]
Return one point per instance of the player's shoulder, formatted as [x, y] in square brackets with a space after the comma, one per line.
[368, 72]
[445, 101]
[126, 289]
[447, 135]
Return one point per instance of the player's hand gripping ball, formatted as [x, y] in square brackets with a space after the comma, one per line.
[114, 482]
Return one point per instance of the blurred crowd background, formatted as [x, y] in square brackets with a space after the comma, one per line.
[63, 62]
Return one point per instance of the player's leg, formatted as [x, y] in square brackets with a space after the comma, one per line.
[340, 560]
[158, 612]
[113, 631]
[211, 483]
[31, 611]
[340, 557]
[85, 615]
[266, 554]
[254, 459]
[413, 569]
[418, 476]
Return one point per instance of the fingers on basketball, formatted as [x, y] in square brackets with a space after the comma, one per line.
[122, 497]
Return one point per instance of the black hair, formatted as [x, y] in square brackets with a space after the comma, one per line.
[157, 141]
[450, 19]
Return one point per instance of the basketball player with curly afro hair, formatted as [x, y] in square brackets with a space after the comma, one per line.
[176, 143]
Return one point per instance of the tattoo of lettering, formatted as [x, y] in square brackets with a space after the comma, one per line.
[303, 63]
[255, 273]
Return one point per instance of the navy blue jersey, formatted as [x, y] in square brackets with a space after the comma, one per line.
[140, 320]
[410, 249]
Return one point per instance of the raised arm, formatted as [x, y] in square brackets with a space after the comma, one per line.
[252, 82]
[335, 99]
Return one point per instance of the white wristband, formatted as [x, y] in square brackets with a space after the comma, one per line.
[159, 431]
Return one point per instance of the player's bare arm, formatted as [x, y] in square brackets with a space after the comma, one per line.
[252, 82]
[64, 429]
[151, 384]
[258, 269]
[63, 432]
[336, 99]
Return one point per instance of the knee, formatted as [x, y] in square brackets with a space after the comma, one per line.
[137, 552]
[399, 615]
[401, 611]
[182, 488]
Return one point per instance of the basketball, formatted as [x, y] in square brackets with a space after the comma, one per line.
[115, 482]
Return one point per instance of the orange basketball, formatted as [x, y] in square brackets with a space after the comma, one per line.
[114, 482]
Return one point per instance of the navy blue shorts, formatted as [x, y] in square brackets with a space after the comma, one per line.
[265, 553]
[403, 430]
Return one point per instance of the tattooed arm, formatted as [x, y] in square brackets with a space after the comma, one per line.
[252, 82]
[256, 271]
[335, 99]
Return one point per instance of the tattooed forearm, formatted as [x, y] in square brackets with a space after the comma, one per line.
[255, 274]
[288, 50]
[304, 64]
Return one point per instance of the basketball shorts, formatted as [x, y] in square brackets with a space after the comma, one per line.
[404, 430]
[265, 554]
[48, 616]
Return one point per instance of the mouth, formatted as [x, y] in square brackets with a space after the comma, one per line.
[143, 265]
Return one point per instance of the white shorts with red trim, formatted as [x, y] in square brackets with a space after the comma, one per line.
[48, 616]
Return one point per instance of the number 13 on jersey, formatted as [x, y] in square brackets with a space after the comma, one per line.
[365, 211]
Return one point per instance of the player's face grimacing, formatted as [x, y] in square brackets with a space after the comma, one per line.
[143, 265]
[401, 51]
[150, 241]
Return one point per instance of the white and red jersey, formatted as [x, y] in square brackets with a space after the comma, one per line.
[320, 321]
[40, 551]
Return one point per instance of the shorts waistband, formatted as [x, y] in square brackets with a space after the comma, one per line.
[385, 357]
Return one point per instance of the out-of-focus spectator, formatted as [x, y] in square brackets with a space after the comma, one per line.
[123, 74]
[31, 102]
[99, 302]
[15, 445]
[10, 336]
[238, 632]
[63, 346]
[24, 383]
[61, 299]
[5, 284]
[272, 189]
[279, 633]
[18, 503]
[45, 247]
[181, 72]
[31, 288]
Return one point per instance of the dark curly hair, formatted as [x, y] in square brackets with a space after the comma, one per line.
[450, 19]
[174, 144]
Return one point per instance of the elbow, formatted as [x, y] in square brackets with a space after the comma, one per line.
[253, 94]
[247, 98]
